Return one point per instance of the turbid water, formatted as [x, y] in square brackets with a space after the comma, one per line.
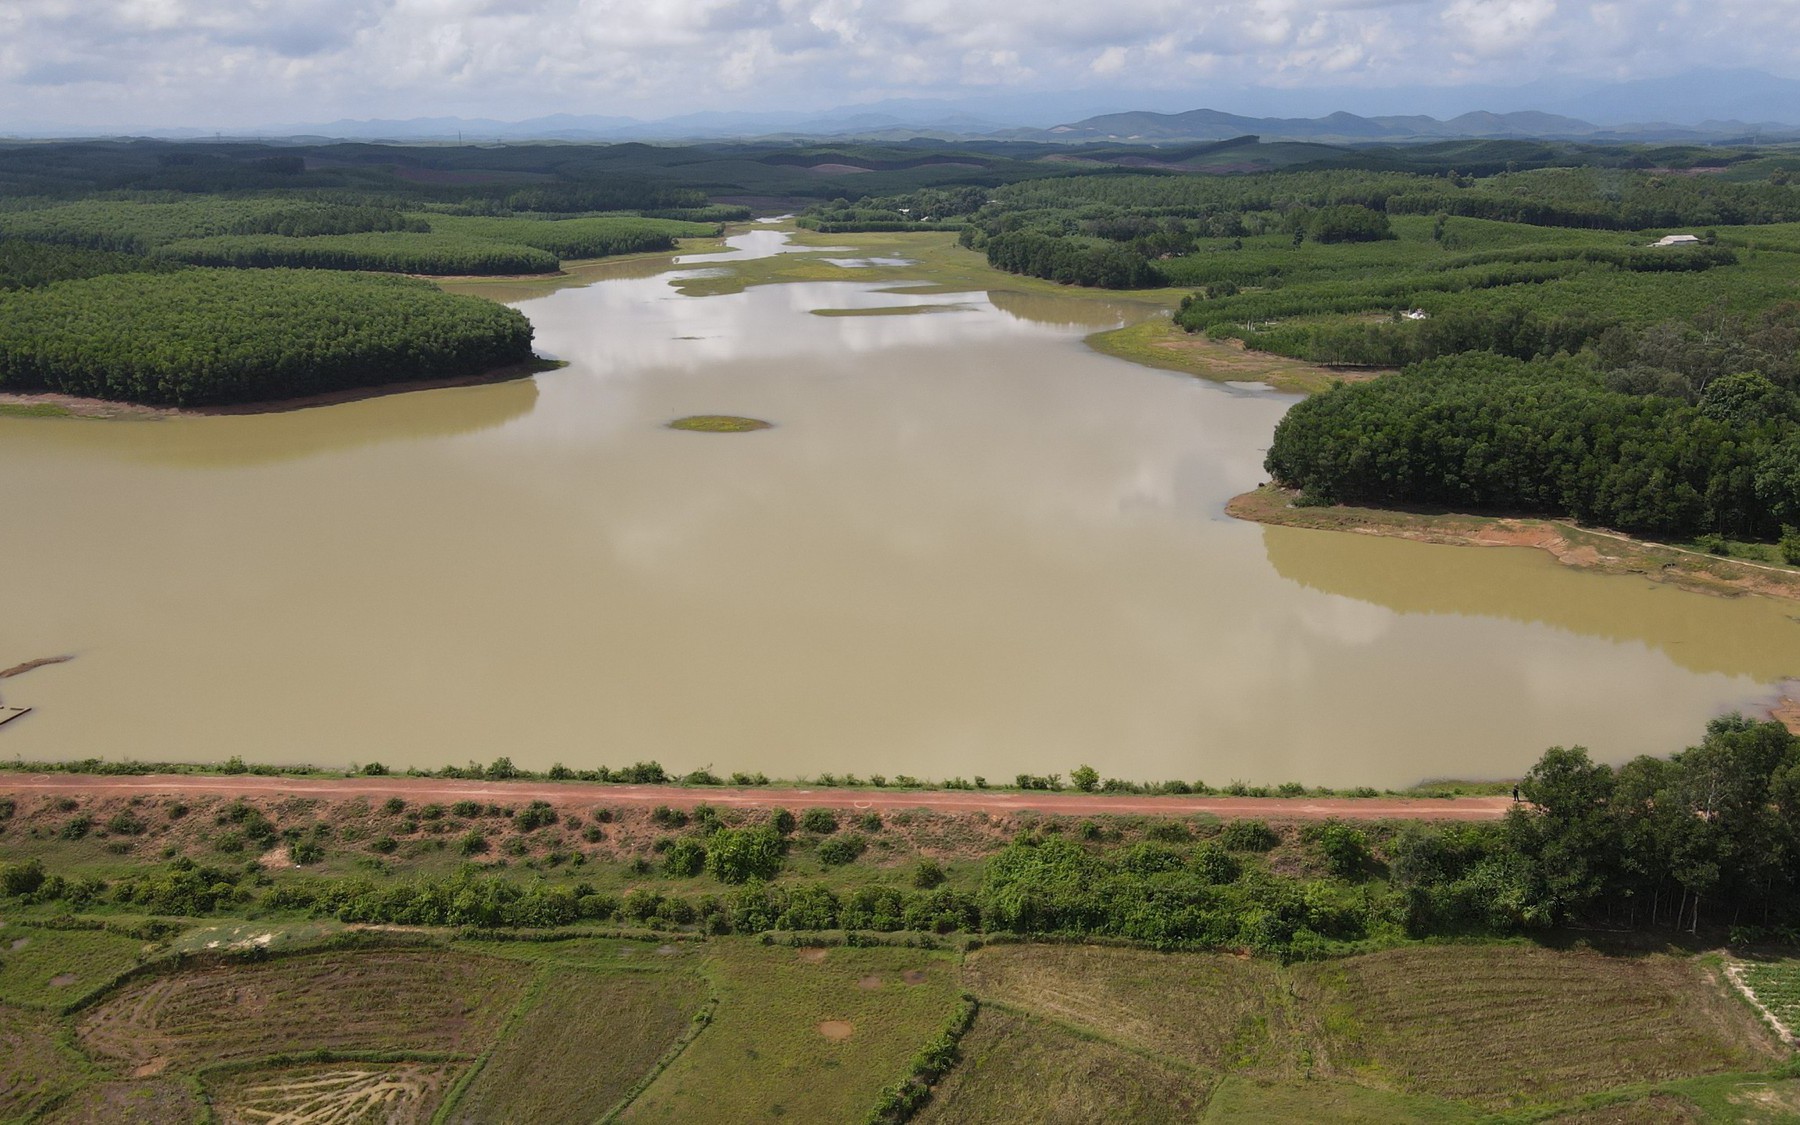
[968, 545]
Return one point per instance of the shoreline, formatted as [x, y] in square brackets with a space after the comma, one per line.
[55, 404]
[579, 793]
[1589, 549]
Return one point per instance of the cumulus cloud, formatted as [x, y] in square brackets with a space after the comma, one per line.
[244, 61]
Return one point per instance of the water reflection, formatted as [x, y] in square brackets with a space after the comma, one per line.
[970, 546]
[231, 441]
[1754, 637]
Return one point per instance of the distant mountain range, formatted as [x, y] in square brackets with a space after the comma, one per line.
[1211, 125]
[1700, 105]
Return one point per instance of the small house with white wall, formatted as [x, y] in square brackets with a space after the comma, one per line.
[1677, 240]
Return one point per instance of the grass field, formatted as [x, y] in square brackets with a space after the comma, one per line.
[1209, 1011]
[1515, 1025]
[806, 1035]
[388, 1000]
[1017, 1068]
[53, 969]
[558, 1063]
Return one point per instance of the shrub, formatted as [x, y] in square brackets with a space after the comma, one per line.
[685, 858]
[124, 824]
[928, 874]
[839, 850]
[821, 821]
[593, 834]
[473, 842]
[738, 855]
[1215, 865]
[1248, 836]
[1168, 831]
[869, 822]
[306, 852]
[706, 817]
[782, 821]
[537, 814]
[466, 809]
[1085, 778]
[18, 879]
[431, 812]
[7, 808]
[394, 806]
[665, 817]
[383, 844]
[76, 828]
[1346, 849]
[1790, 544]
[374, 769]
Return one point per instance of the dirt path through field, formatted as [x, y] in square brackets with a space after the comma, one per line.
[577, 794]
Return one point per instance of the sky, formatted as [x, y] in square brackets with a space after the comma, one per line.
[241, 63]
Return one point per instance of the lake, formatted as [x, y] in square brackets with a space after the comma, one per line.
[968, 545]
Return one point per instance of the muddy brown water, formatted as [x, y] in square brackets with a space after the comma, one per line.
[968, 546]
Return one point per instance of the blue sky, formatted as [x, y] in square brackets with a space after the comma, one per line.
[239, 63]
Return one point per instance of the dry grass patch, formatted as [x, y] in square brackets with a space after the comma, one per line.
[763, 1055]
[1016, 1068]
[1518, 1025]
[558, 1063]
[1212, 1011]
[333, 1093]
[385, 1000]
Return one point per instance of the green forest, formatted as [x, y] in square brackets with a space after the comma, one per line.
[211, 336]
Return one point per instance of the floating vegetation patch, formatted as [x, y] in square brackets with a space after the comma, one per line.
[719, 424]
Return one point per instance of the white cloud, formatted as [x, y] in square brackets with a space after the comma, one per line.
[213, 62]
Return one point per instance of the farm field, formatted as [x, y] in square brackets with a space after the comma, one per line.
[1516, 1025]
[574, 1028]
[807, 1034]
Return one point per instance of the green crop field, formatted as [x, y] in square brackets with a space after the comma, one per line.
[810, 1035]
[1776, 983]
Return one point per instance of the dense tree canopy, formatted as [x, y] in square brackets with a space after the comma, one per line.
[205, 336]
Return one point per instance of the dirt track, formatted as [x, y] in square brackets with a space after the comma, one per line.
[573, 794]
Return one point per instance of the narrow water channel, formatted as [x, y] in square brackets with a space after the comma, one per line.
[969, 545]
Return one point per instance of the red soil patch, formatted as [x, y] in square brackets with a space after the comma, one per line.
[872, 983]
[814, 956]
[63, 980]
[913, 976]
[837, 1030]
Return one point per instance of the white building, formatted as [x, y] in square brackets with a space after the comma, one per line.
[1677, 240]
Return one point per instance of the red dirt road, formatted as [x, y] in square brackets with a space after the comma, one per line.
[575, 794]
